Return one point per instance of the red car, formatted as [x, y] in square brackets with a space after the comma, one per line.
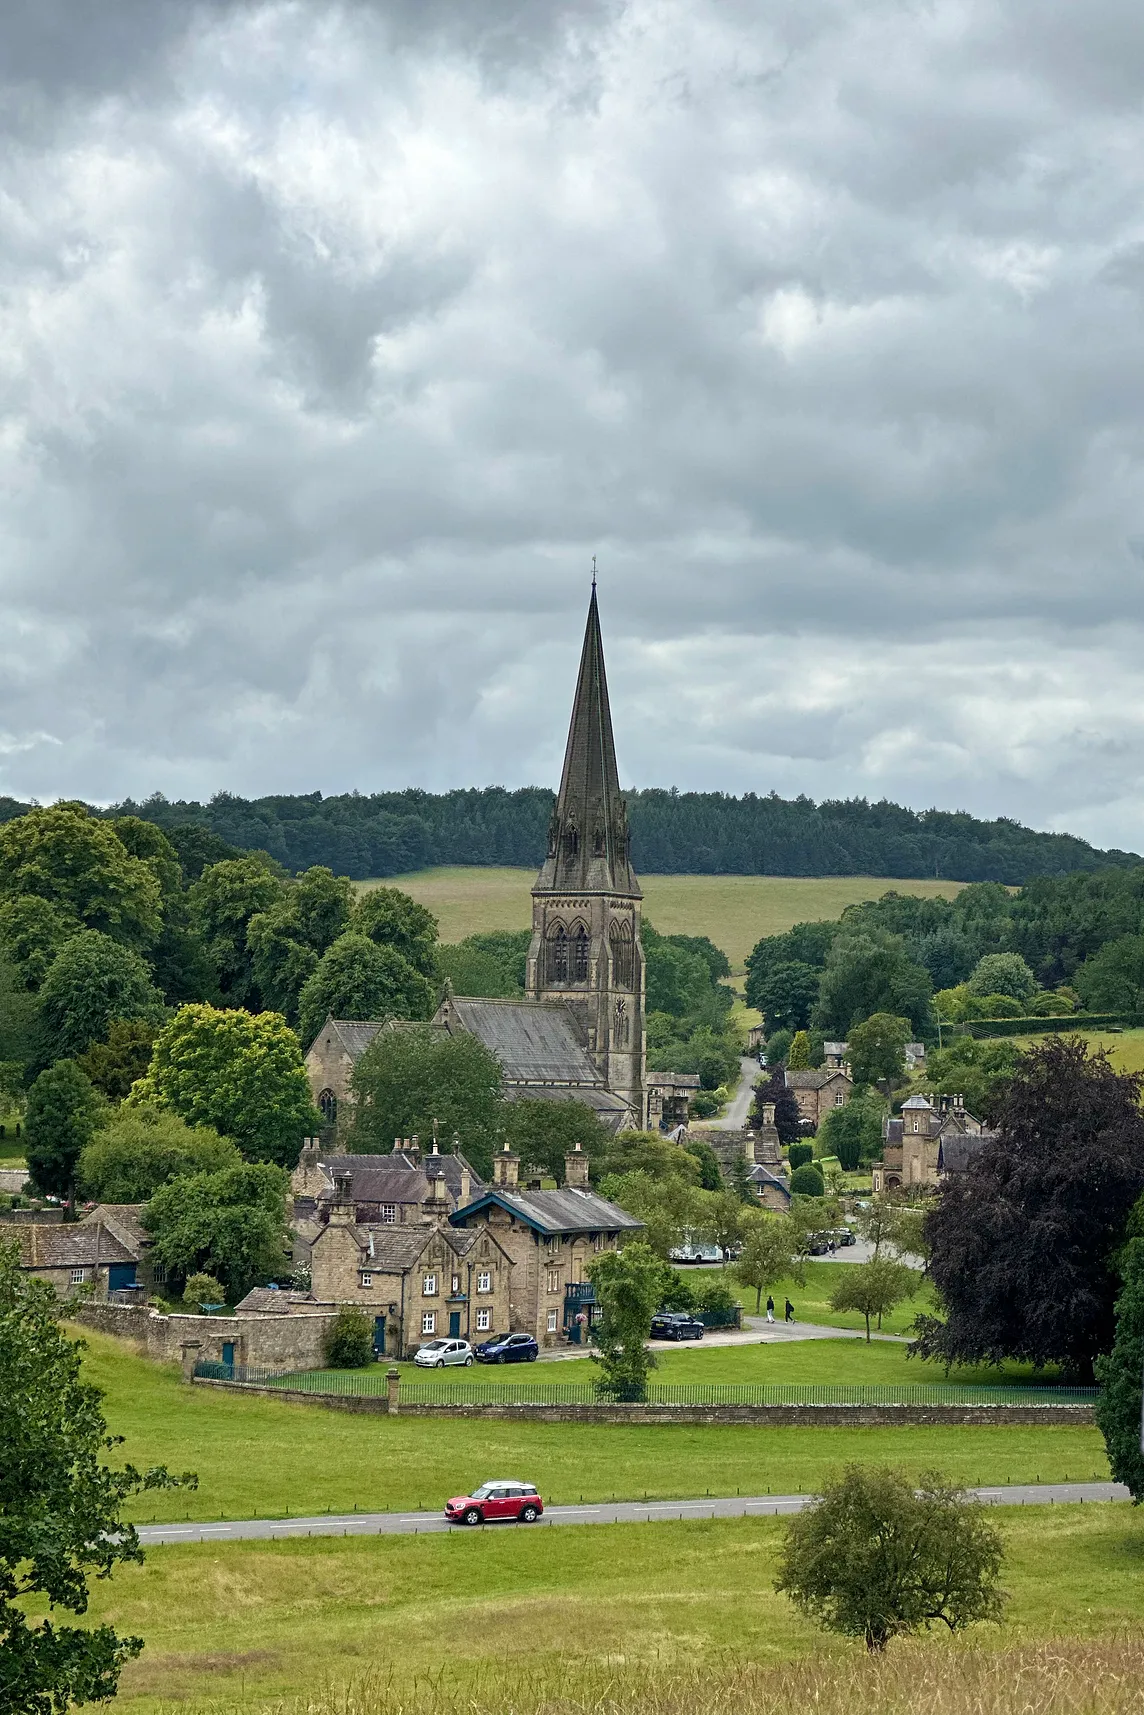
[506, 1499]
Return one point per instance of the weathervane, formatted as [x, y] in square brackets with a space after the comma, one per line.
[593, 571]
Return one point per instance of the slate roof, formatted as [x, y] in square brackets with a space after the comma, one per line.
[813, 1078]
[535, 1041]
[674, 1080]
[353, 1034]
[272, 1301]
[570, 1210]
[957, 1150]
[123, 1219]
[916, 1102]
[760, 1175]
[601, 1101]
[396, 1249]
[76, 1246]
[396, 1178]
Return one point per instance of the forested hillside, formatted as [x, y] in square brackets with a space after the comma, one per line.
[673, 833]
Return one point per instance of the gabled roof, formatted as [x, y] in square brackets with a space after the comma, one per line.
[397, 1178]
[570, 1210]
[957, 1149]
[272, 1301]
[815, 1078]
[393, 1250]
[78, 1246]
[123, 1219]
[536, 1041]
[760, 1175]
[352, 1035]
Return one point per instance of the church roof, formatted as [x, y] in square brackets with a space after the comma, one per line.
[588, 838]
[535, 1041]
[353, 1035]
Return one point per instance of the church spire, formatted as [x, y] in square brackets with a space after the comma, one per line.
[588, 835]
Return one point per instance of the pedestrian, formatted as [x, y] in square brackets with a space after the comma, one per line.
[789, 1311]
[770, 1309]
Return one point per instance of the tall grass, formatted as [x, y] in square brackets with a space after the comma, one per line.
[1061, 1677]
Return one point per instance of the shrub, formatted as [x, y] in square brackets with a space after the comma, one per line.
[715, 1295]
[778, 1046]
[203, 1289]
[704, 1104]
[800, 1153]
[807, 1181]
[349, 1341]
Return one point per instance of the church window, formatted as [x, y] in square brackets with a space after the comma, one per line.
[620, 943]
[580, 955]
[557, 954]
[328, 1107]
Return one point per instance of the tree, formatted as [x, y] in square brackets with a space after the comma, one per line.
[1002, 973]
[1119, 1372]
[873, 1288]
[710, 1174]
[349, 1340]
[222, 903]
[141, 1148]
[629, 1286]
[671, 1208]
[287, 941]
[1112, 980]
[391, 919]
[62, 1113]
[649, 1152]
[786, 995]
[114, 1065]
[1022, 1244]
[976, 1070]
[230, 1224]
[871, 972]
[92, 981]
[20, 1034]
[807, 1181]
[798, 1058]
[543, 1133]
[241, 1073]
[769, 1254]
[724, 1217]
[853, 1132]
[410, 1077]
[877, 1049]
[357, 978]
[60, 1508]
[873, 1558]
[73, 860]
[201, 1290]
[32, 931]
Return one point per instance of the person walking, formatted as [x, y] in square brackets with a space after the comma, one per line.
[770, 1309]
[789, 1317]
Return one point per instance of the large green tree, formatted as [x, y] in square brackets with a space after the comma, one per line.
[871, 972]
[392, 919]
[60, 1506]
[32, 932]
[62, 1113]
[1023, 1244]
[140, 1148]
[230, 1224]
[770, 1253]
[75, 861]
[543, 1133]
[357, 978]
[786, 993]
[873, 1288]
[1002, 973]
[222, 902]
[877, 1049]
[92, 981]
[629, 1287]
[121, 1059]
[1119, 1372]
[241, 1073]
[411, 1076]
[287, 941]
[1112, 980]
[853, 1132]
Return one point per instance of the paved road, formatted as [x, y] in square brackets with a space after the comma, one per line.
[734, 1115]
[612, 1512]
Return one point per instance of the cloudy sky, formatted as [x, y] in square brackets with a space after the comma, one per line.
[336, 339]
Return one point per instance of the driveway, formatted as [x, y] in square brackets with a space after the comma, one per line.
[756, 1331]
[734, 1115]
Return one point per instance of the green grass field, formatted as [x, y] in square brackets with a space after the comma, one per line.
[1125, 1048]
[734, 910]
[507, 1615]
[259, 1457]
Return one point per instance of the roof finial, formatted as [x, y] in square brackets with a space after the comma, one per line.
[593, 571]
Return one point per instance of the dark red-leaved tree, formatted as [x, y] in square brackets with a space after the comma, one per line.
[1022, 1243]
[787, 1114]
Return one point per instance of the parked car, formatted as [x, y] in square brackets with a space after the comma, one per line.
[676, 1325]
[504, 1499]
[437, 1353]
[818, 1244]
[843, 1236]
[508, 1349]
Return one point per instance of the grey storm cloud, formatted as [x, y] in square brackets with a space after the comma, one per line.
[335, 339]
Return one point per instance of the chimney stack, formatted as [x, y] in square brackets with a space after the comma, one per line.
[506, 1168]
[413, 1149]
[342, 1211]
[576, 1168]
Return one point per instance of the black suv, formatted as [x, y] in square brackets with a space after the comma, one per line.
[507, 1349]
[676, 1325]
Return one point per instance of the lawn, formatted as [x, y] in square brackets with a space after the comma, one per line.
[811, 1300]
[507, 1614]
[259, 1457]
[734, 910]
[1125, 1047]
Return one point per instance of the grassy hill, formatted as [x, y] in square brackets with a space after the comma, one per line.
[734, 910]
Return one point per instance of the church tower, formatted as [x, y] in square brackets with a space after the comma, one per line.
[585, 948]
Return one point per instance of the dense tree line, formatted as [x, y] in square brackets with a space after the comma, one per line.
[673, 833]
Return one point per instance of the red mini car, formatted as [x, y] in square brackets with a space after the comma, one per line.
[506, 1499]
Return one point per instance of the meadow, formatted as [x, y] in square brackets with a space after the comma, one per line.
[260, 1457]
[601, 1617]
[734, 910]
[1125, 1048]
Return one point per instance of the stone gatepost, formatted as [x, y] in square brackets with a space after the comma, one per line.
[393, 1391]
[189, 1353]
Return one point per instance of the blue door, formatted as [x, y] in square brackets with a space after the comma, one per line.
[228, 1355]
[120, 1276]
[454, 1324]
[379, 1336]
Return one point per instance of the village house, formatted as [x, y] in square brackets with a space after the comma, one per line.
[668, 1099]
[767, 1171]
[819, 1090]
[551, 1238]
[79, 1259]
[416, 1281]
[389, 1189]
[932, 1138]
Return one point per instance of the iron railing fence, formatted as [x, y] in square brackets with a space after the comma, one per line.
[464, 1388]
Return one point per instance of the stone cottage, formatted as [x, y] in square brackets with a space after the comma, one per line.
[79, 1259]
[818, 1091]
[388, 1190]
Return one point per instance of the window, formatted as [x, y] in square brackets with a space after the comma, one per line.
[429, 1322]
[159, 1274]
[429, 1286]
[366, 1280]
[839, 1099]
[620, 945]
[78, 1276]
[388, 1214]
[484, 1321]
[580, 955]
[484, 1281]
[552, 1321]
[557, 954]
[455, 1287]
[328, 1107]
[554, 1280]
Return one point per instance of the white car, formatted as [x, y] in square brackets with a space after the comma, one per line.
[438, 1353]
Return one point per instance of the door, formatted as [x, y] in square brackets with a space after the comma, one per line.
[454, 1324]
[120, 1276]
[228, 1355]
[379, 1336]
[519, 1351]
[499, 1505]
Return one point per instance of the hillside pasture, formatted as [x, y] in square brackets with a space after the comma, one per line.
[734, 910]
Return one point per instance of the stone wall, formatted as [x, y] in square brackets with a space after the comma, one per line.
[293, 1342]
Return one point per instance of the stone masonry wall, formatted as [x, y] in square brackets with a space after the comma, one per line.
[292, 1342]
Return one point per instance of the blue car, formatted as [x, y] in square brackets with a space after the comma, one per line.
[507, 1349]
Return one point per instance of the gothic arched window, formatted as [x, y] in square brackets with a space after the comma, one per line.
[620, 943]
[557, 954]
[579, 954]
[328, 1107]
